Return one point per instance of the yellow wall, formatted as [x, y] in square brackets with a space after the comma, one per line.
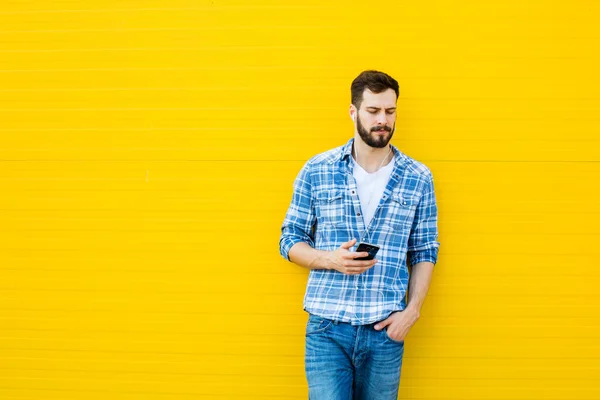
[147, 155]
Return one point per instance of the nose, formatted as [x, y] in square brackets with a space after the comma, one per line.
[381, 120]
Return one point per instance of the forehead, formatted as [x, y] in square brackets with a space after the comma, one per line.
[386, 99]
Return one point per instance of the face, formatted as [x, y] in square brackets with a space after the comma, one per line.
[376, 118]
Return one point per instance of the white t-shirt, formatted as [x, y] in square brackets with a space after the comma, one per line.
[371, 187]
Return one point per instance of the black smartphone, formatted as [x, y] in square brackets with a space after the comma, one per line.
[372, 249]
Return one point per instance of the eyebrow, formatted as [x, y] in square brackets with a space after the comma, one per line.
[377, 108]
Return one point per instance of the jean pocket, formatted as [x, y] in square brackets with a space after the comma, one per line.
[317, 324]
[388, 338]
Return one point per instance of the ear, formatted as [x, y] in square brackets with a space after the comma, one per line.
[353, 112]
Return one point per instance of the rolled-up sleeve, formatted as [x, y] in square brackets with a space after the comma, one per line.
[300, 217]
[423, 242]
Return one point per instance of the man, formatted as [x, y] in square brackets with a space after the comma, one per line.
[365, 191]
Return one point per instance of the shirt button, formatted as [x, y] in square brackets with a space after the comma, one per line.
[353, 192]
[404, 203]
[358, 214]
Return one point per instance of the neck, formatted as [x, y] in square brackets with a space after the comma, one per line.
[371, 159]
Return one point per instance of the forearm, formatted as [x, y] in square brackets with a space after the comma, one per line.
[305, 256]
[418, 286]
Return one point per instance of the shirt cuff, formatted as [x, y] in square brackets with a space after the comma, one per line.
[428, 255]
[286, 243]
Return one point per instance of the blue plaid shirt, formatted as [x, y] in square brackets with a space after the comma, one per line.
[325, 212]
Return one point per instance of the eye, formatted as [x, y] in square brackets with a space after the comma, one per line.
[372, 112]
[391, 112]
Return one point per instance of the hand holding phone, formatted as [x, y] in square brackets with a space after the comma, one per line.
[349, 262]
[372, 249]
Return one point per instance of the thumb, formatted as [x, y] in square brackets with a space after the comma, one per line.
[379, 326]
[349, 244]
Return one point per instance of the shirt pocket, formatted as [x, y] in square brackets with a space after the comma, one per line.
[330, 207]
[402, 210]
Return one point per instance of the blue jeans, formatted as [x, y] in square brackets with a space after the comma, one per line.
[346, 362]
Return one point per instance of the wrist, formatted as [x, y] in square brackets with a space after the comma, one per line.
[413, 310]
[321, 260]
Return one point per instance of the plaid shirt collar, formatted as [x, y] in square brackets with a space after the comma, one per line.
[400, 159]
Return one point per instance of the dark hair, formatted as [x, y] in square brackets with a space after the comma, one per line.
[375, 81]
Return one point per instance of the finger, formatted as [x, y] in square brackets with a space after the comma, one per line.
[359, 255]
[348, 244]
[382, 324]
[360, 263]
[352, 255]
[356, 270]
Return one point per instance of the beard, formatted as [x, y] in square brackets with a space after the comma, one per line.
[374, 140]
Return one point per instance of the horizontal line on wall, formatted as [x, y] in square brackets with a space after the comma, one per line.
[208, 8]
[272, 47]
[117, 360]
[301, 364]
[287, 87]
[186, 109]
[299, 314]
[239, 27]
[199, 373]
[154, 393]
[236, 292]
[500, 37]
[173, 89]
[302, 161]
[172, 333]
[299, 353]
[441, 275]
[219, 312]
[506, 216]
[432, 316]
[178, 291]
[285, 129]
[183, 267]
[165, 218]
[88, 50]
[133, 149]
[267, 67]
[234, 273]
[528, 16]
[276, 129]
[494, 14]
[224, 68]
